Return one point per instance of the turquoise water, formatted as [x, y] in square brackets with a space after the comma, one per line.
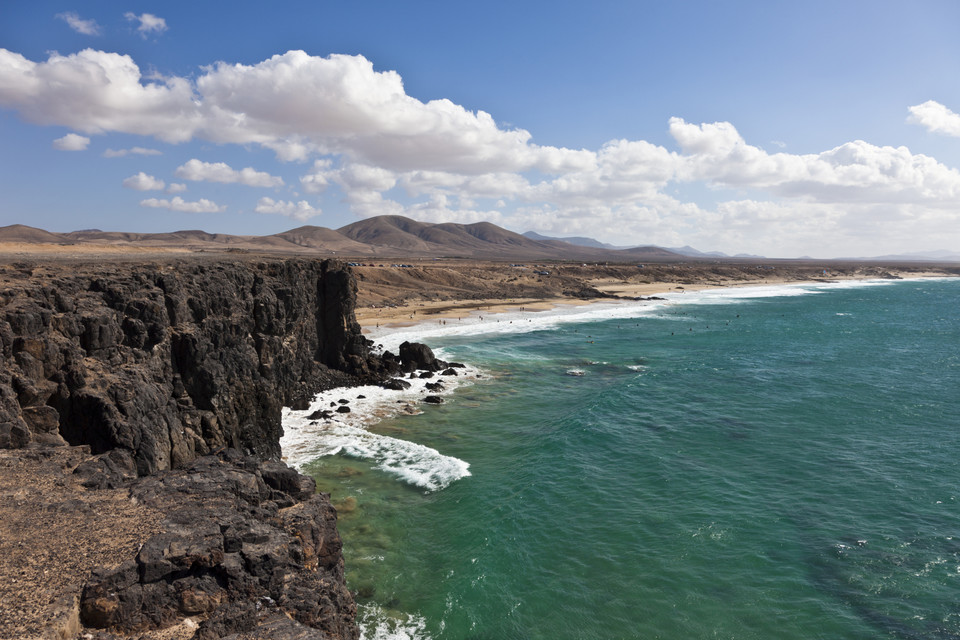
[783, 466]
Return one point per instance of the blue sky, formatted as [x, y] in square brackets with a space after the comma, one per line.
[784, 129]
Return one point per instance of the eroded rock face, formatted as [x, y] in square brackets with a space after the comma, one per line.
[172, 361]
[245, 545]
[172, 378]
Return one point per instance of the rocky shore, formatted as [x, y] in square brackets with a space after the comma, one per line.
[141, 493]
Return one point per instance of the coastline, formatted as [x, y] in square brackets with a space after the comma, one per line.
[377, 319]
[540, 318]
[308, 435]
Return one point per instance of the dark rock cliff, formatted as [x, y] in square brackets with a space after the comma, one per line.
[173, 376]
[171, 361]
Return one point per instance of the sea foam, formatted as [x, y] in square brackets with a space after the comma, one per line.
[486, 322]
[377, 624]
[305, 439]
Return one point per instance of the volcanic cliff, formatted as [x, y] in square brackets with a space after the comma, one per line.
[158, 388]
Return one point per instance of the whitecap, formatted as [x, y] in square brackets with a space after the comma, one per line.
[305, 438]
[376, 624]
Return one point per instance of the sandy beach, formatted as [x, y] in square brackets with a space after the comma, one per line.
[382, 303]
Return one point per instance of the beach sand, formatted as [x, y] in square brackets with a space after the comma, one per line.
[411, 304]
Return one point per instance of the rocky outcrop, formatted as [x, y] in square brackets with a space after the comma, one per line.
[247, 547]
[169, 381]
[172, 361]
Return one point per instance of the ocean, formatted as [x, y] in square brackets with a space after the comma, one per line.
[765, 462]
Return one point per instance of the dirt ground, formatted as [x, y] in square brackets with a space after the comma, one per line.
[53, 533]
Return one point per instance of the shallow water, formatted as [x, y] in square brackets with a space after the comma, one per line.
[777, 462]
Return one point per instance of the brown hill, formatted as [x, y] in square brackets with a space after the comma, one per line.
[23, 233]
[383, 236]
[393, 232]
[321, 238]
[479, 240]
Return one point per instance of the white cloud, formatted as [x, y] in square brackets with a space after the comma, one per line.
[295, 104]
[179, 204]
[139, 151]
[936, 118]
[176, 187]
[149, 23]
[71, 142]
[387, 152]
[301, 210]
[96, 92]
[78, 24]
[143, 182]
[852, 172]
[197, 170]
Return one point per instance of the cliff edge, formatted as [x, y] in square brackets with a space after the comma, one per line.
[156, 389]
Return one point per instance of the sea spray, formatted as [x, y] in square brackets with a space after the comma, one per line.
[306, 438]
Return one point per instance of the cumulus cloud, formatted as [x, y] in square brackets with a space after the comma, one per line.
[97, 92]
[176, 187]
[301, 210]
[198, 171]
[295, 104]
[179, 204]
[143, 182]
[138, 151]
[78, 24]
[387, 152]
[936, 118]
[149, 23]
[71, 142]
[852, 172]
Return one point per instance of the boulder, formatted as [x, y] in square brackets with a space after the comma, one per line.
[415, 356]
[395, 384]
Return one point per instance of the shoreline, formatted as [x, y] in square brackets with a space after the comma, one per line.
[307, 436]
[544, 317]
[379, 321]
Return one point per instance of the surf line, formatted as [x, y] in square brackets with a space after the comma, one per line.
[337, 422]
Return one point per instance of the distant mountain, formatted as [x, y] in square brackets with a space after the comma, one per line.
[23, 233]
[922, 256]
[321, 238]
[576, 240]
[687, 250]
[590, 242]
[483, 240]
[383, 236]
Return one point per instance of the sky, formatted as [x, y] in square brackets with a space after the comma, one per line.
[823, 129]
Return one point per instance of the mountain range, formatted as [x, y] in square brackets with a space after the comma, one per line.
[400, 237]
[382, 236]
